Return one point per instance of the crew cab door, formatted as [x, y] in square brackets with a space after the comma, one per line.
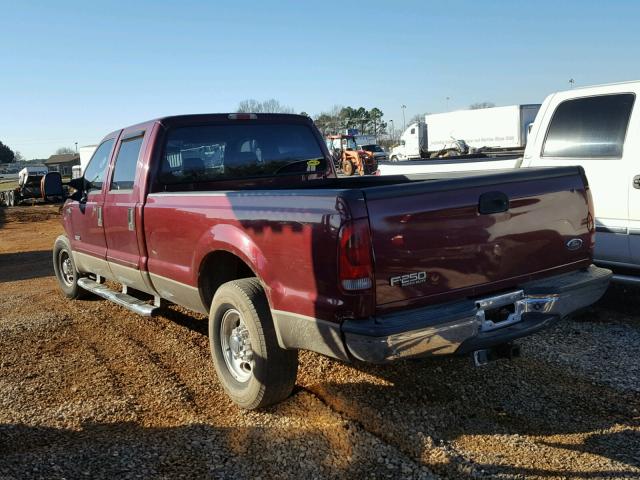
[595, 132]
[632, 177]
[122, 213]
[87, 216]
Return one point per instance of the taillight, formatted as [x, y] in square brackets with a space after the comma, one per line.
[355, 262]
[591, 224]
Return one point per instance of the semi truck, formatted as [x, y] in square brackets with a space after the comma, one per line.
[481, 132]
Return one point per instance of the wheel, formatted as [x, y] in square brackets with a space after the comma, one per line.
[394, 159]
[12, 199]
[65, 269]
[252, 368]
[347, 168]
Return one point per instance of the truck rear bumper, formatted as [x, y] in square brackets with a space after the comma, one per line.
[462, 327]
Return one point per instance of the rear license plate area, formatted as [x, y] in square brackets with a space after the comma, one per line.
[500, 311]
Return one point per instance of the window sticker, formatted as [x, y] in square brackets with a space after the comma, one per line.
[312, 164]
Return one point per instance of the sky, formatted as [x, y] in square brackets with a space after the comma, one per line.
[73, 71]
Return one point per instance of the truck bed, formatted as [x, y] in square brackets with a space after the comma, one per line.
[419, 223]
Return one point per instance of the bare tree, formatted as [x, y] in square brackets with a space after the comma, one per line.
[272, 105]
[418, 117]
[479, 105]
[329, 122]
[18, 157]
[64, 150]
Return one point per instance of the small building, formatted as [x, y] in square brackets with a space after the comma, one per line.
[62, 163]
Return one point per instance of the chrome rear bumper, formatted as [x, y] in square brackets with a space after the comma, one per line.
[461, 327]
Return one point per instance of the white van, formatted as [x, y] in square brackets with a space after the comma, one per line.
[599, 129]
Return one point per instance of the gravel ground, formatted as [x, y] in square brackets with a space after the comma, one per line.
[89, 390]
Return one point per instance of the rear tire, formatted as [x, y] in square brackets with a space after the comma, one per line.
[394, 159]
[252, 368]
[12, 199]
[65, 269]
[347, 168]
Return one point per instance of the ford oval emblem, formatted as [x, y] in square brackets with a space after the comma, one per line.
[574, 244]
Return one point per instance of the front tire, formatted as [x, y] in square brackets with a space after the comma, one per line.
[65, 269]
[252, 368]
[347, 168]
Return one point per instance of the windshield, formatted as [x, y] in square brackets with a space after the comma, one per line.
[372, 148]
[212, 152]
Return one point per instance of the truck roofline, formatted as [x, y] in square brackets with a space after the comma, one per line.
[224, 117]
[602, 85]
[199, 118]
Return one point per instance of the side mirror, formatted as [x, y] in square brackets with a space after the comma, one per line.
[51, 186]
[78, 184]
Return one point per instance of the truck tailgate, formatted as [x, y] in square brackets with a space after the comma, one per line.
[464, 235]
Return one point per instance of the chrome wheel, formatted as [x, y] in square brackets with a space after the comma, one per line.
[66, 268]
[236, 345]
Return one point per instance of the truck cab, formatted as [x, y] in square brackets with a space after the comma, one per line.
[412, 143]
[597, 128]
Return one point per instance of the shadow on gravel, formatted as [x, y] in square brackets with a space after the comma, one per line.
[448, 400]
[129, 450]
[119, 450]
[622, 299]
[188, 321]
[25, 265]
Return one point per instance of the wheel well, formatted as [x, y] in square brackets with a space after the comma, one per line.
[218, 268]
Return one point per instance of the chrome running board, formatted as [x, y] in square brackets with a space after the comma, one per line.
[124, 300]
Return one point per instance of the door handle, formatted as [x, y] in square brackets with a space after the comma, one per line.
[99, 216]
[636, 181]
[131, 219]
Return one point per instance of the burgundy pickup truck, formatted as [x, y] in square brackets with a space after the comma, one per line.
[243, 218]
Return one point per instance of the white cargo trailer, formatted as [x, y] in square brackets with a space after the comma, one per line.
[86, 153]
[495, 128]
[488, 129]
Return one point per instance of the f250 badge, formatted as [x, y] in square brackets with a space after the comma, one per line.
[408, 279]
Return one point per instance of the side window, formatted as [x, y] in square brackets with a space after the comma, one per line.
[126, 161]
[591, 127]
[97, 166]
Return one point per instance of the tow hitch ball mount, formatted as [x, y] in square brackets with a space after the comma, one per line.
[484, 356]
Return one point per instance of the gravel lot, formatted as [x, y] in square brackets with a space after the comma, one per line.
[89, 390]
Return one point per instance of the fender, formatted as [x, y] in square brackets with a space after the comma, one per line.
[232, 239]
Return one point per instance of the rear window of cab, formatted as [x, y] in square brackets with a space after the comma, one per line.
[207, 153]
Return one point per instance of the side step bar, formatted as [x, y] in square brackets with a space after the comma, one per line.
[127, 301]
